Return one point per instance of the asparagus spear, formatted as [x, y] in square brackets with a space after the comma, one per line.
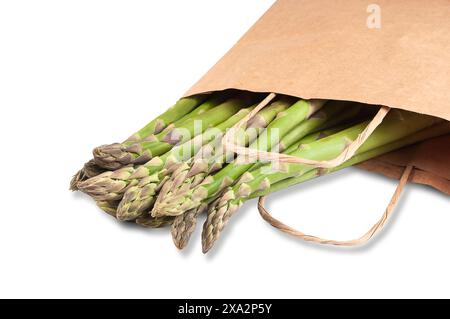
[398, 125]
[176, 112]
[115, 156]
[140, 197]
[204, 107]
[184, 225]
[174, 202]
[112, 185]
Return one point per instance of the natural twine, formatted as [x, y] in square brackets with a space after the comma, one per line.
[354, 242]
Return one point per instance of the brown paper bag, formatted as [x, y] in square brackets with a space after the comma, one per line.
[394, 53]
[326, 49]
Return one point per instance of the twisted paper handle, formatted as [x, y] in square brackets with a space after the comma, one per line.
[355, 242]
[348, 152]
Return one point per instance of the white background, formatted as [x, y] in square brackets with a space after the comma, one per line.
[76, 74]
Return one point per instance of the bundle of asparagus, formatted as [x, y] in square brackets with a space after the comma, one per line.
[176, 168]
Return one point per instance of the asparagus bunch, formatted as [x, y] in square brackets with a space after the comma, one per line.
[112, 185]
[175, 201]
[116, 191]
[397, 126]
[140, 196]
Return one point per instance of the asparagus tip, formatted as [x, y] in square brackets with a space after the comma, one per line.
[184, 225]
[113, 156]
[137, 200]
[79, 176]
[219, 214]
[89, 170]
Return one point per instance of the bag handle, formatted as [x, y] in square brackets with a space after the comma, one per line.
[355, 242]
[348, 152]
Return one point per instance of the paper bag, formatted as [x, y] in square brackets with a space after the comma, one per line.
[393, 53]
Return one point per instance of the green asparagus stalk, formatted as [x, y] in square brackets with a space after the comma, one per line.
[111, 185]
[194, 115]
[174, 202]
[398, 125]
[184, 225]
[182, 108]
[309, 139]
[115, 156]
[204, 107]
[332, 114]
